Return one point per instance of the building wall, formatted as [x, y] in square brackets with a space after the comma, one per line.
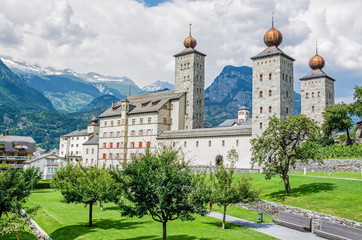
[203, 151]
[273, 90]
[90, 155]
[72, 146]
[316, 94]
[190, 78]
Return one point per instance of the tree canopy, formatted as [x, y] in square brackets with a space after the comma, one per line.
[161, 185]
[87, 186]
[282, 144]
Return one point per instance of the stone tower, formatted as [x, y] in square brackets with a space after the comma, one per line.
[190, 78]
[317, 90]
[273, 83]
[243, 114]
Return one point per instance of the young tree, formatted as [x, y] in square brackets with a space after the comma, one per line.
[163, 186]
[357, 104]
[337, 117]
[15, 188]
[282, 144]
[227, 190]
[87, 186]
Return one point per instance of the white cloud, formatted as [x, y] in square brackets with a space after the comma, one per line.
[127, 38]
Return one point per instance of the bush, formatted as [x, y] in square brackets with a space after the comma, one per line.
[337, 151]
[43, 184]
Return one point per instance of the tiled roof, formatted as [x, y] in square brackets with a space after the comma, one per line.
[80, 132]
[273, 50]
[206, 132]
[10, 141]
[231, 122]
[151, 102]
[93, 141]
[317, 73]
[187, 51]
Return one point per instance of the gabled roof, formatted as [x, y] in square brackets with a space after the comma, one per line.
[50, 155]
[79, 132]
[150, 102]
[188, 51]
[93, 141]
[206, 132]
[232, 122]
[273, 50]
[317, 73]
[9, 142]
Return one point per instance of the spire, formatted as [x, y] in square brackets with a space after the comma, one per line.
[190, 42]
[273, 19]
[190, 28]
[316, 47]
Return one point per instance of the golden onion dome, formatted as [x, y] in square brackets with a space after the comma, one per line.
[316, 62]
[190, 42]
[273, 37]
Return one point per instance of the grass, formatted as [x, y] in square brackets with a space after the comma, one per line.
[69, 221]
[352, 175]
[337, 197]
[242, 213]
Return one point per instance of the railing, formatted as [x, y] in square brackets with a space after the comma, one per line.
[55, 164]
[15, 157]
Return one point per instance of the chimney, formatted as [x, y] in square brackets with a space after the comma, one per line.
[6, 132]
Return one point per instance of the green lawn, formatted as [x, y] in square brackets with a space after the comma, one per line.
[353, 175]
[69, 221]
[242, 213]
[337, 197]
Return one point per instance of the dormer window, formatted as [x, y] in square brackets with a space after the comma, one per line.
[155, 102]
[145, 104]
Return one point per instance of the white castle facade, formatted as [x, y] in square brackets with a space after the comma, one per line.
[176, 117]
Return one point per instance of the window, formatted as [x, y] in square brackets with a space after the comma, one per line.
[86, 151]
[261, 94]
[312, 108]
[105, 123]
[270, 76]
[132, 144]
[270, 109]
[133, 133]
[133, 121]
[118, 122]
[237, 142]
[141, 132]
[72, 145]
[223, 143]
[209, 143]
[140, 144]
[261, 77]
[260, 125]
[111, 134]
[110, 145]
[105, 134]
[104, 145]
[319, 94]
[164, 120]
[117, 155]
[306, 95]
[149, 132]
[261, 109]
[287, 93]
[155, 102]
[122, 121]
[149, 120]
[185, 144]
[92, 150]
[270, 92]
[287, 110]
[312, 94]
[141, 120]
[197, 143]
[118, 133]
[110, 156]
[283, 77]
[145, 104]
[148, 144]
[104, 156]
[112, 123]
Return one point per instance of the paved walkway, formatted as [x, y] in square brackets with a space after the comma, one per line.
[353, 179]
[268, 228]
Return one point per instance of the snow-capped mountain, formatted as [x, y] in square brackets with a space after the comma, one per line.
[157, 86]
[20, 66]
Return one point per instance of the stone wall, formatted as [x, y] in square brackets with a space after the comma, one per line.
[273, 209]
[237, 170]
[330, 165]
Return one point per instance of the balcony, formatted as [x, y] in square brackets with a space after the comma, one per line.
[9, 158]
[55, 164]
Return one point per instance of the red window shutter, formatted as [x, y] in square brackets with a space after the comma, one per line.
[148, 144]
[118, 145]
[140, 144]
[105, 145]
[111, 145]
[132, 144]
[104, 156]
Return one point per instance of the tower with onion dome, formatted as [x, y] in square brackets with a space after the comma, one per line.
[317, 90]
[273, 83]
[190, 78]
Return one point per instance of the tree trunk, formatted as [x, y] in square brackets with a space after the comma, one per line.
[90, 214]
[286, 184]
[164, 230]
[101, 205]
[224, 217]
[349, 141]
[1, 213]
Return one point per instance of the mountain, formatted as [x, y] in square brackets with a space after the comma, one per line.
[230, 90]
[157, 86]
[15, 92]
[68, 90]
[101, 102]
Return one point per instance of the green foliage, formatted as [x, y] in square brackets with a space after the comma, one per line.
[337, 118]
[227, 190]
[15, 188]
[4, 166]
[283, 143]
[163, 186]
[339, 151]
[357, 104]
[87, 186]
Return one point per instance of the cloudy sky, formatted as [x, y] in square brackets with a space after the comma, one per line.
[138, 38]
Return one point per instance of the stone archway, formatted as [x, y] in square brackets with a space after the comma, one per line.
[218, 160]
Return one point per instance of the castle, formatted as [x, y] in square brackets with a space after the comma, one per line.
[176, 117]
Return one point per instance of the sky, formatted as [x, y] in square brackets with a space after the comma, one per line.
[138, 38]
